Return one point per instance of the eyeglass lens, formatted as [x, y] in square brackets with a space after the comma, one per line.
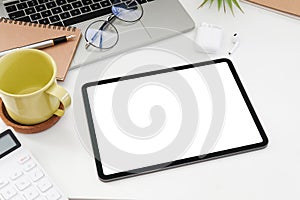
[130, 11]
[102, 38]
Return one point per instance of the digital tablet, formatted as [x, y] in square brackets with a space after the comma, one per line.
[170, 117]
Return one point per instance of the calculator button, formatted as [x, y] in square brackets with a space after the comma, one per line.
[36, 174]
[18, 197]
[53, 195]
[3, 182]
[22, 159]
[8, 192]
[31, 193]
[22, 183]
[44, 185]
[29, 165]
[16, 175]
[41, 198]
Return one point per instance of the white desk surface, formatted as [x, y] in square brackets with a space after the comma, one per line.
[269, 65]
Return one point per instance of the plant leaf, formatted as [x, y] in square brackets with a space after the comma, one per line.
[224, 6]
[219, 4]
[237, 5]
[203, 3]
[211, 2]
[229, 2]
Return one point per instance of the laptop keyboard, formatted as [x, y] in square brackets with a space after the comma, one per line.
[60, 12]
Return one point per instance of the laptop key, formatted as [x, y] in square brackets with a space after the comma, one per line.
[113, 2]
[87, 2]
[54, 18]
[40, 8]
[16, 14]
[24, 19]
[142, 1]
[65, 15]
[66, 7]
[22, 6]
[30, 11]
[77, 4]
[43, 1]
[11, 3]
[56, 10]
[51, 4]
[46, 13]
[105, 3]
[95, 6]
[32, 3]
[61, 2]
[35, 16]
[87, 16]
[85, 9]
[75, 12]
[44, 21]
[11, 8]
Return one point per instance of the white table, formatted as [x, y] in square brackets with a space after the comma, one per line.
[268, 63]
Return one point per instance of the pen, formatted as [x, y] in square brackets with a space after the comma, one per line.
[40, 45]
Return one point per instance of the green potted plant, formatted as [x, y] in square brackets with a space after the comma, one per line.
[223, 3]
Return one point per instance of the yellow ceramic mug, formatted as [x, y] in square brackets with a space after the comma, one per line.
[28, 87]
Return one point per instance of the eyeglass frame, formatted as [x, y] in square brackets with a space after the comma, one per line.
[111, 18]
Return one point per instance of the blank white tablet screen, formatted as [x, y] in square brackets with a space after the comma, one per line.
[169, 116]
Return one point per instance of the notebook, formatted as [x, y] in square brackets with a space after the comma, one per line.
[16, 33]
[287, 6]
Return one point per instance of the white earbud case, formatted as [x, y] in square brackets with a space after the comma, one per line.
[208, 38]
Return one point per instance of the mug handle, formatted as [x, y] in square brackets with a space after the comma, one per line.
[63, 96]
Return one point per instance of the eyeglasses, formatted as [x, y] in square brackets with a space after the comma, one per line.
[103, 34]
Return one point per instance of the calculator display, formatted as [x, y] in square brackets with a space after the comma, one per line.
[6, 143]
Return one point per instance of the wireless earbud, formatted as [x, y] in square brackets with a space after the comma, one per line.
[236, 43]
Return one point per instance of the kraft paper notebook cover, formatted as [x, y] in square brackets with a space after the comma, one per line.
[287, 6]
[15, 34]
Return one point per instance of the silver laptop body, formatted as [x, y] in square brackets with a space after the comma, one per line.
[161, 19]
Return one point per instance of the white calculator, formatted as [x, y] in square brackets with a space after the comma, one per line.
[21, 176]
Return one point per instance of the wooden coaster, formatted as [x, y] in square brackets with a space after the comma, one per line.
[36, 128]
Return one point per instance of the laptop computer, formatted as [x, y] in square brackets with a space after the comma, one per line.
[161, 19]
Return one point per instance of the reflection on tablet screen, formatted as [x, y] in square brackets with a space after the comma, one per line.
[163, 117]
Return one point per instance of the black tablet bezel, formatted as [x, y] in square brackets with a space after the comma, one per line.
[180, 162]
